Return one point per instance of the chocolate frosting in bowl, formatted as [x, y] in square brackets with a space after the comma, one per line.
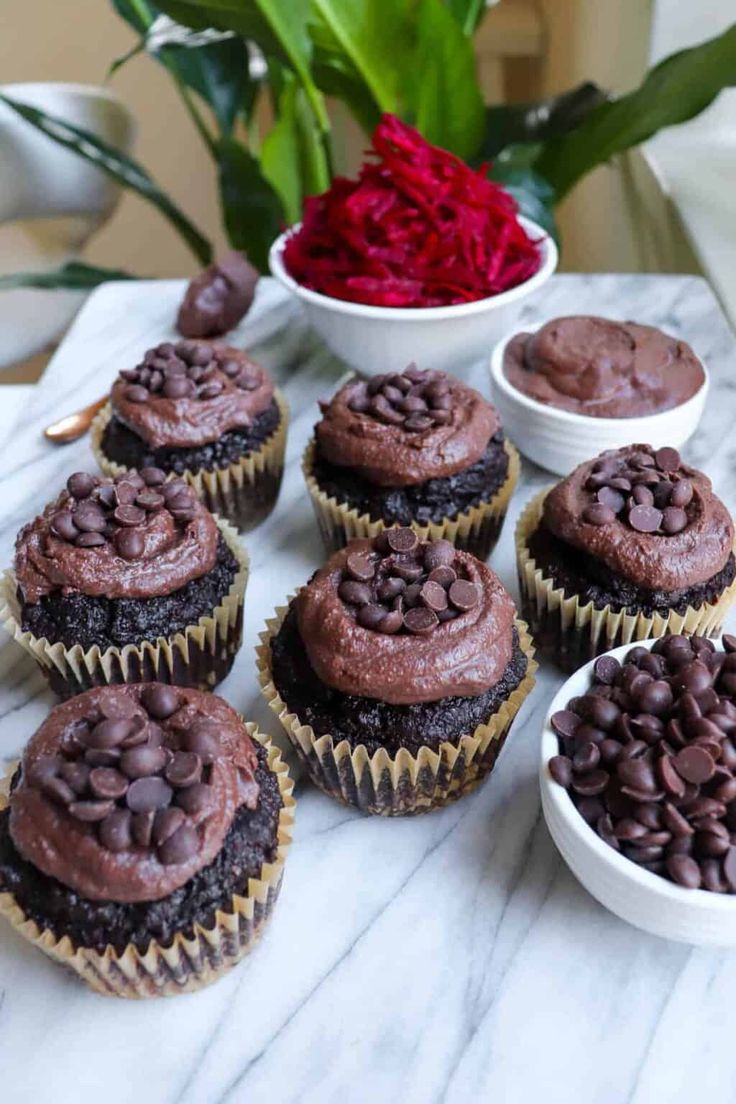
[603, 369]
[400, 430]
[679, 535]
[127, 791]
[190, 393]
[453, 639]
[131, 537]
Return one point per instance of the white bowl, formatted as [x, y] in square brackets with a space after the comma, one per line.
[387, 339]
[643, 899]
[559, 440]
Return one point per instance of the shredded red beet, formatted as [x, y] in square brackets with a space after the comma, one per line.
[418, 228]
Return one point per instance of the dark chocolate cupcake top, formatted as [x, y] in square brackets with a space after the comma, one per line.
[404, 621]
[190, 393]
[646, 515]
[399, 430]
[603, 369]
[135, 536]
[127, 791]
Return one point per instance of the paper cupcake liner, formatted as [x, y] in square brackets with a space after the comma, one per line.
[244, 492]
[404, 784]
[199, 656]
[475, 531]
[572, 632]
[189, 963]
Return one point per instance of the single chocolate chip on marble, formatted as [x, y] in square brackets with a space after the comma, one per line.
[360, 566]
[674, 520]
[645, 519]
[91, 811]
[668, 459]
[143, 761]
[420, 620]
[464, 595]
[107, 782]
[115, 830]
[598, 514]
[184, 769]
[433, 596]
[179, 847]
[81, 484]
[160, 701]
[146, 795]
[354, 593]
[129, 544]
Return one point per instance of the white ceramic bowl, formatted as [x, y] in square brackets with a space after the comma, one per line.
[559, 440]
[387, 339]
[643, 899]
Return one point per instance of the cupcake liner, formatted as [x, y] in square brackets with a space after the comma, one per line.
[572, 633]
[475, 531]
[199, 656]
[189, 963]
[404, 784]
[244, 492]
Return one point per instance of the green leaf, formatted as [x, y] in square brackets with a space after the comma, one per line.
[252, 211]
[279, 27]
[336, 78]
[674, 91]
[468, 13]
[536, 121]
[534, 195]
[443, 88]
[292, 155]
[74, 276]
[117, 165]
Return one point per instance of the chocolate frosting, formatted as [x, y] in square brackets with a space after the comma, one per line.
[461, 657]
[70, 849]
[224, 389]
[394, 455]
[217, 299]
[176, 542]
[651, 560]
[603, 369]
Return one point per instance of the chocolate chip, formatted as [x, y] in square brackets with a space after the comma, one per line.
[565, 722]
[674, 520]
[107, 734]
[390, 588]
[611, 498]
[185, 769]
[165, 823]
[434, 596]
[606, 670]
[89, 517]
[62, 524]
[115, 831]
[102, 757]
[129, 544]
[445, 576]
[136, 394]
[129, 515]
[642, 496]
[107, 782]
[682, 493]
[402, 540]
[153, 477]
[58, 790]
[370, 615]
[177, 387]
[645, 519]
[196, 800]
[668, 459]
[439, 553]
[684, 870]
[420, 620]
[464, 595]
[203, 740]
[354, 593]
[560, 767]
[91, 811]
[76, 776]
[90, 540]
[598, 514]
[694, 764]
[391, 623]
[142, 828]
[360, 566]
[160, 701]
[180, 847]
[143, 761]
[418, 423]
[148, 794]
[149, 500]
[81, 484]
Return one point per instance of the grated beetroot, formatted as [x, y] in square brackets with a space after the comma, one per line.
[418, 228]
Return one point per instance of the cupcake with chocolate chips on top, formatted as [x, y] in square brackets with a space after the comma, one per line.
[143, 838]
[129, 579]
[397, 672]
[631, 545]
[203, 411]
[418, 449]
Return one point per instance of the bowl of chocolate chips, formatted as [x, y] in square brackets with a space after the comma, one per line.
[638, 781]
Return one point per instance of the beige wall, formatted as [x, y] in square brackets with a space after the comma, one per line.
[75, 40]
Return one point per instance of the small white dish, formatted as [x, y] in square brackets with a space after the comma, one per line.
[645, 900]
[386, 339]
[559, 440]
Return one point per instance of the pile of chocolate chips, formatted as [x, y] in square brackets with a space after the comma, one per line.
[403, 585]
[187, 370]
[649, 758]
[115, 773]
[646, 490]
[416, 400]
[99, 511]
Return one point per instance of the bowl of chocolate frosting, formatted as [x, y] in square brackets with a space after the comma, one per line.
[579, 384]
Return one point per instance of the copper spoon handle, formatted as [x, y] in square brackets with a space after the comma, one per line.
[73, 426]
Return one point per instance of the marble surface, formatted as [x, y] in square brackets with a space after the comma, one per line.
[451, 957]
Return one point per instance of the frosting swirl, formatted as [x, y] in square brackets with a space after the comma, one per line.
[432, 658]
[603, 369]
[190, 393]
[90, 809]
[132, 537]
[400, 430]
[634, 538]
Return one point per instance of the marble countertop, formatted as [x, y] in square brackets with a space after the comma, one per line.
[450, 957]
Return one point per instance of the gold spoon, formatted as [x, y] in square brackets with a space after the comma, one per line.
[73, 426]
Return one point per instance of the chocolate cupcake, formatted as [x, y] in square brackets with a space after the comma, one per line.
[143, 838]
[397, 671]
[419, 449]
[127, 580]
[203, 411]
[631, 545]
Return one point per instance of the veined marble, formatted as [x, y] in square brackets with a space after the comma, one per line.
[450, 957]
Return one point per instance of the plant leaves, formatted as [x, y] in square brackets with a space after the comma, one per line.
[278, 27]
[73, 276]
[251, 208]
[674, 91]
[531, 191]
[443, 87]
[507, 124]
[468, 13]
[117, 165]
